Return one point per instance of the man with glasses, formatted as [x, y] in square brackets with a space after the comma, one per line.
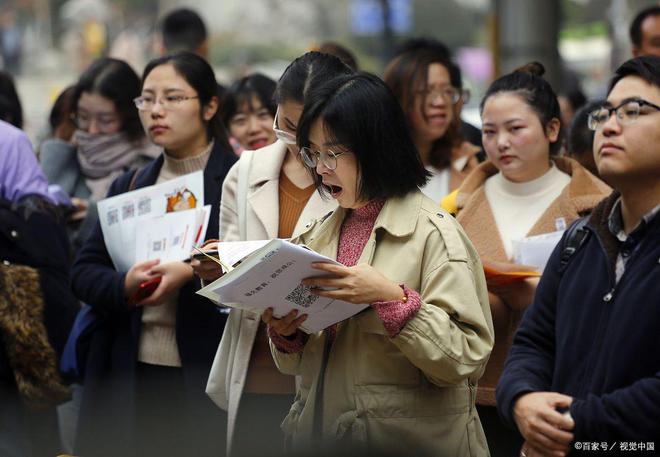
[583, 367]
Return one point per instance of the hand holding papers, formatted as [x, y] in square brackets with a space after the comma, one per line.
[150, 223]
[270, 277]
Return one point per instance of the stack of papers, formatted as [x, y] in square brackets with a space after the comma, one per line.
[536, 250]
[269, 276]
[162, 221]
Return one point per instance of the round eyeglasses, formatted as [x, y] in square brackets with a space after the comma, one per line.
[449, 94]
[626, 113]
[328, 158]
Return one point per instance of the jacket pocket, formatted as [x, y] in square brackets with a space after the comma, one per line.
[350, 427]
[290, 423]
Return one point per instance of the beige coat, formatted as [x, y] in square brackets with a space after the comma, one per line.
[416, 391]
[577, 199]
[227, 377]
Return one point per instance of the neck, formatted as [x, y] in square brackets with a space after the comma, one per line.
[636, 201]
[424, 148]
[189, 150]
[294, 169]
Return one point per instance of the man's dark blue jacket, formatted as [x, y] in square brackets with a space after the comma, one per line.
[592, 339]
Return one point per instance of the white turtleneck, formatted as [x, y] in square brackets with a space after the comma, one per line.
[158, 344]
[518, 206]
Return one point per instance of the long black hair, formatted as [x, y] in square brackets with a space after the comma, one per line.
[362, 114]
[10, 104]
[311, 66]
[115, 80]
[198, 73]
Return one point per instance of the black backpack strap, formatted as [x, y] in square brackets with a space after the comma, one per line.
[575, 237]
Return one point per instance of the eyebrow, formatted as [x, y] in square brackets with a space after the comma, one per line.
[166, 91]
[289, 124]
[98, 113]
[509, 121]
[635, 98]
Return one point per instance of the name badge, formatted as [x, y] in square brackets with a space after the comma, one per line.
[560, 223]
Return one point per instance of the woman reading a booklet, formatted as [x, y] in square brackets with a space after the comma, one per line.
[268, 193]
[147, 364]
[402, 374]
[524, 189]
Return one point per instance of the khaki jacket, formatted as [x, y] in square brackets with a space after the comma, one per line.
[577, 199]
[227, 377]
[416, 391]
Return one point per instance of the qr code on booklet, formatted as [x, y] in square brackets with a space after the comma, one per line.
[301, 296]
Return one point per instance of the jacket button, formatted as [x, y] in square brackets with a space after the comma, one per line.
[440, 215]
[308, 225]
[14, 234]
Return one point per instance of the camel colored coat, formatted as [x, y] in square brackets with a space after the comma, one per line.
[577, 199]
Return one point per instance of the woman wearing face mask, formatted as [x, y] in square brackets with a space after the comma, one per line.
[400, 375]
[427, 85]
[248, 110]
[524, 189]
[279, 199]
[147, 367]
[109, 140]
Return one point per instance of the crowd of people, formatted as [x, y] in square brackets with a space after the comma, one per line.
[464, 349]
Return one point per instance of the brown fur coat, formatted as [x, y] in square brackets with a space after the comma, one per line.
[577, 199]
[31, 358]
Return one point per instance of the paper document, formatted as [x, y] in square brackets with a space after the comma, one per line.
[536, 250]
[171, 237]
[271, 276]
[121, 216]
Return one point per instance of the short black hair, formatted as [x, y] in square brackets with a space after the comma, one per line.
[528, 83]
[580, 138]
[183, 30]
[645, 67]
[311, 66]
[362, 114]
[198, 73]
[115, 80]
[636, 25]
[243, 91]
[11, 110]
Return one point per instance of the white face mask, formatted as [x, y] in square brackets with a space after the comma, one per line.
[282, 135]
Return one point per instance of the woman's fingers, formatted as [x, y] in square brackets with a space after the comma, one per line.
[285, 326]
[338, 270]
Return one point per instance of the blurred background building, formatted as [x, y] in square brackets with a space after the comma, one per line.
[46, 43]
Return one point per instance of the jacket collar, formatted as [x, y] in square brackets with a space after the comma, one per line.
[267, 164]
[582, 189]
[398, 216]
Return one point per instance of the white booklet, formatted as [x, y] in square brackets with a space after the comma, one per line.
[121, 215]
[270, 276]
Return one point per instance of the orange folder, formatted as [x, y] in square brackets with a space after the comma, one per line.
[502, 278]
